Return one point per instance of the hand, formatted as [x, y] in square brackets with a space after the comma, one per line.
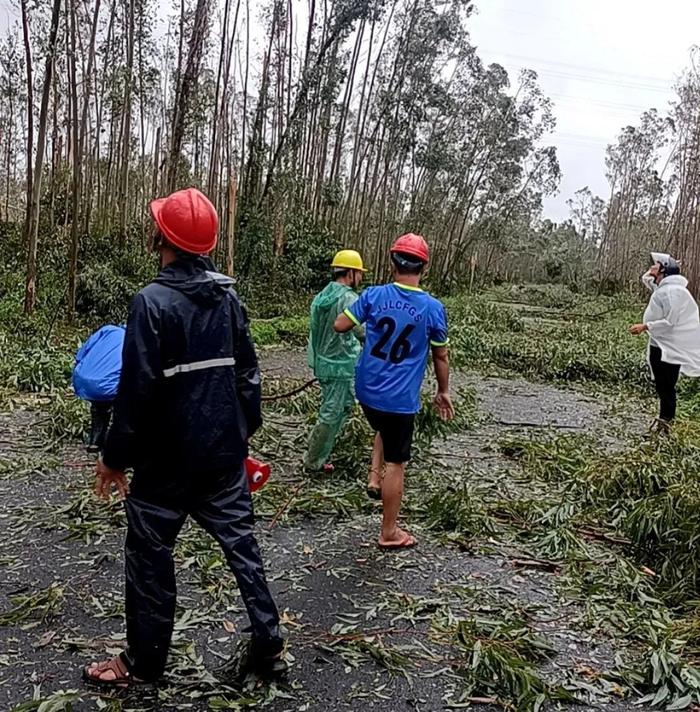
[638, 329]
[107, 478]
[443, 405]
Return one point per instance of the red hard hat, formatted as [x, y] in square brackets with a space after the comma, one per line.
[411, 244]
[188, 220]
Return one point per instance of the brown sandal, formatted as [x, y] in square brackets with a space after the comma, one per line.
[117, 667]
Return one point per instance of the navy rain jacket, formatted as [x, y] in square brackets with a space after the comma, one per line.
[189, 394]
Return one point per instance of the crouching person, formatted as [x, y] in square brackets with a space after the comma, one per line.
[98, 365]
[187, 404]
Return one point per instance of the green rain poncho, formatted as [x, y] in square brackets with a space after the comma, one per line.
[332, 355]
[332, 358]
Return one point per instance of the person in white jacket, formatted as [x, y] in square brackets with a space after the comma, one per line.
[673, 324]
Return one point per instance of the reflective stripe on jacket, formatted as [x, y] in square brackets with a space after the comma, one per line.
[189, 393]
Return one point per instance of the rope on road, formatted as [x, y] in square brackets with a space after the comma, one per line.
[291, 394]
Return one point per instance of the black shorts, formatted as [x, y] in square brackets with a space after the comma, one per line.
[396, 430]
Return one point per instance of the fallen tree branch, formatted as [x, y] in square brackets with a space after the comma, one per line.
[537, 425]
[540, 564]
[291, 394]
[483, 700]
[285, 505]
[597, 535]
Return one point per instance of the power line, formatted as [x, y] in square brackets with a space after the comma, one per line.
[621, 107]
[604, 82]
[582, 67]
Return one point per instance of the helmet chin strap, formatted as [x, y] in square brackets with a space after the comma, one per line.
[156, 242]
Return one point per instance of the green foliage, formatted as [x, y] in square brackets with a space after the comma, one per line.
[84, 517]
[498, 658]
[664, 671]
[645, 499]
[280, 285]
[306, 403]
[111, 275]
[590, 343]
[458, 509]
[33, 366]
[58, 702]
[287, 330]
[653, 493]
[566, 355]
[68, 417]
[104, 295]
[33, 607]
[429, 427]
[556, 459]
[553, 296]
[473, 323]
[649, 493]
[354, 447]
[308, 250]
[689, 398]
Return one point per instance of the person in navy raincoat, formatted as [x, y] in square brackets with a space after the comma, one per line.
[187, 404]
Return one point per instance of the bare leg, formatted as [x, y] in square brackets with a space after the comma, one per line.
[392, 493]
[375, 473]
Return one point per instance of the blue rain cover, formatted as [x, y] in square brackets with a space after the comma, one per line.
[98, 365]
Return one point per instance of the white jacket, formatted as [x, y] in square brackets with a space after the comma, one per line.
[674, 324]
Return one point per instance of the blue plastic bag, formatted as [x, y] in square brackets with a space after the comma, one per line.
[98, 365]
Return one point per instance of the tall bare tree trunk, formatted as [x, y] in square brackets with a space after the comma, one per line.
[79, 132]
[30, 117]
[189, 82]
[126, 127]
[241, 172]
[32, 226]
[231, 224]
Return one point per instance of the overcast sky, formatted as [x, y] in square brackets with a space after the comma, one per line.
[602, 62]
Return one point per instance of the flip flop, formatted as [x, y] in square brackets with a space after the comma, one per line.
[408, 542]
[374, 493]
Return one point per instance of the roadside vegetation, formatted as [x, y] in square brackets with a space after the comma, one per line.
[340, 127]
[614, 519]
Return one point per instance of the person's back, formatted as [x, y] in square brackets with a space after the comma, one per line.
[401, 323]
[187, 404]
[332, 357]
[98, 365]
[195, 355]
[672, 296]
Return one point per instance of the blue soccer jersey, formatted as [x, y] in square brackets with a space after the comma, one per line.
[401, 324]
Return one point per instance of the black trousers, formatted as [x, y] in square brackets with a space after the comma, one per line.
[100, 416]
[665, 378]
[153, 526]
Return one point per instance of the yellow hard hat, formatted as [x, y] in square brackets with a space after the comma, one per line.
[348, 259]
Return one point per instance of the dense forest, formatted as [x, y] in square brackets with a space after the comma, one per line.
[345, 123]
